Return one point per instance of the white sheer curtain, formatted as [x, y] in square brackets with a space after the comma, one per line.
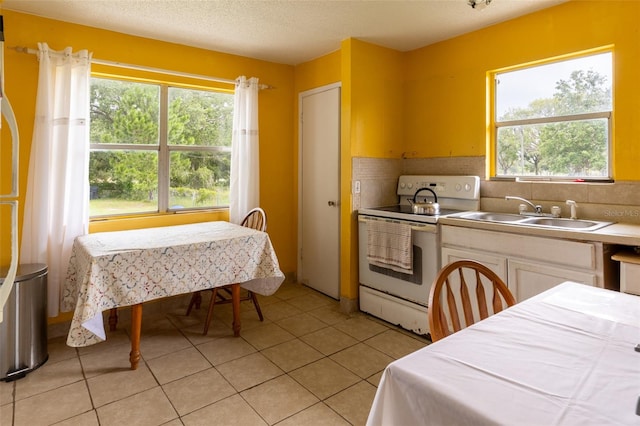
[245, 169]
[57, 203]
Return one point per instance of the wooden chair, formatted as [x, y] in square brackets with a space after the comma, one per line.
[451, 292]
[255, 219]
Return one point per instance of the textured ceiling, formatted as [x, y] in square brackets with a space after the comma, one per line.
[283, 31]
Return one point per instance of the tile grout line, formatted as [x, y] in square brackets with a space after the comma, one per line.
[355, 334]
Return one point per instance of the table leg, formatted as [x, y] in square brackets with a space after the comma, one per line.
[136, 324]
[113, 319]
[198, 299]
[235, 297]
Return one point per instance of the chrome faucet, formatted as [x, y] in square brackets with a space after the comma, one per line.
[537, 208]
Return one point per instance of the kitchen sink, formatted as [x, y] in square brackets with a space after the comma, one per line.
[556, 222]
[492, 217]
[537, 221]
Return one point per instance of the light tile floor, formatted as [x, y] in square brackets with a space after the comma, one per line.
[306, 364]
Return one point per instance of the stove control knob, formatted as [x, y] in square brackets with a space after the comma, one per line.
[458, 187]
[410, 185]
[402, 185]
[467, 187]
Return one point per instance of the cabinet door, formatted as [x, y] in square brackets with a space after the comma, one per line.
[497, 264]
[526, 278]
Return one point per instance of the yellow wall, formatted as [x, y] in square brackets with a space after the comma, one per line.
[318, 72]
[425, 103]
[372, 110]
[276, 110]
[375, 75]
[445, 96]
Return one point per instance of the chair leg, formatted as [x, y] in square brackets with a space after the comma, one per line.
[235, 301]
[256, 304]
[212, 302]
[196, 299]
[113, 319]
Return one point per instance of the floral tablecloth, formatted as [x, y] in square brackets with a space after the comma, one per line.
[113, 269]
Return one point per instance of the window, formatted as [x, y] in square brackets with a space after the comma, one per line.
[553, 121]
[158, 148]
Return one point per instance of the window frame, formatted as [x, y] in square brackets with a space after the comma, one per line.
[163, 148]
[496, 125]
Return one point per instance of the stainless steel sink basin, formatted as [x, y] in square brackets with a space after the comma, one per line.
[582, 224]
[492, 217]
[537, 221]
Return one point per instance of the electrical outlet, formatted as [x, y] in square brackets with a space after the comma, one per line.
[356, 187]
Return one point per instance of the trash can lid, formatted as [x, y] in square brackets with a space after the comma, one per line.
[25, 272]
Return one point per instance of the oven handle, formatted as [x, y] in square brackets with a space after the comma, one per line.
[417, 227]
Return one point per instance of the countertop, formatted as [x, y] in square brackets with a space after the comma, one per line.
[617, 233]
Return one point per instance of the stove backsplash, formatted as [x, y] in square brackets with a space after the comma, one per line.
[617, 202]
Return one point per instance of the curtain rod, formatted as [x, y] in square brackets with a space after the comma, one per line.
[148, 69]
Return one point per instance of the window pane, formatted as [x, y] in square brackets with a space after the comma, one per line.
[135, 169]
[565, 149]
[123, 182]
[199, 179]
[575, 86]
[124, 112]
[554, 120]
[198, 117]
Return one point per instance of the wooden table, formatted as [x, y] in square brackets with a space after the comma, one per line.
[126, 268]
[566, 356]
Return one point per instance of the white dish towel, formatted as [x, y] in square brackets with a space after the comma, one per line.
[389, 245]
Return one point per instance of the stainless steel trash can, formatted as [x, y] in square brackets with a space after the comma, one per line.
[23, 332]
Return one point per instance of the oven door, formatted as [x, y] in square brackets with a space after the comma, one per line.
[426, 263]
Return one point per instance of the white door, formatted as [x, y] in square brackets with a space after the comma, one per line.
[319, 190]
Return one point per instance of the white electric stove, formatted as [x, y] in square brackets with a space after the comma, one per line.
[394, 296]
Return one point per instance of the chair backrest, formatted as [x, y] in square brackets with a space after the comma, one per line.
[454, 305]
[256, 219]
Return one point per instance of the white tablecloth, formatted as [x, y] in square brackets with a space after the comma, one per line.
[564, 357]
[113, 269]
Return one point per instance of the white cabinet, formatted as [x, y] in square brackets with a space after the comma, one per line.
[526, 278]
[496, 263]
[529, 265]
